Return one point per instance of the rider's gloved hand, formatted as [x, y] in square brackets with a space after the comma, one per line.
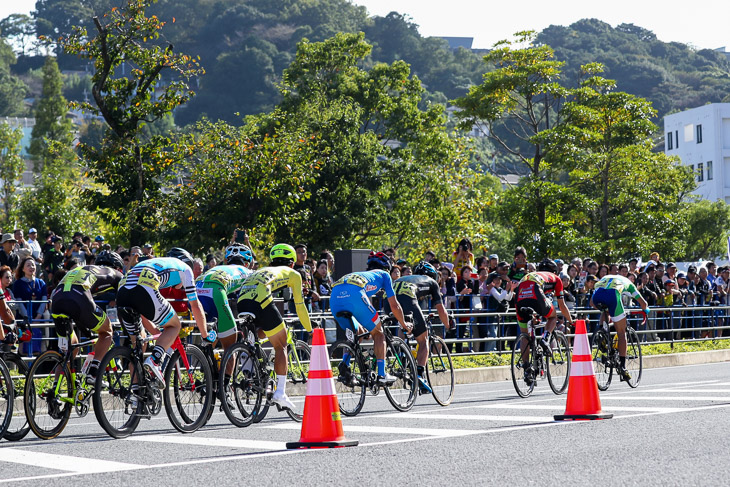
[212, 336]
[645, 313]
[10, 338]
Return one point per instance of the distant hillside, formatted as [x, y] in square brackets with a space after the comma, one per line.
[246, 44]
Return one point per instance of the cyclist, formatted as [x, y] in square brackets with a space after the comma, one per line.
[531, 293]
[72, 301]
[607, 295]
[139, 299]
[409, 290]
[217, 284]
[352, 293]
[255, 297]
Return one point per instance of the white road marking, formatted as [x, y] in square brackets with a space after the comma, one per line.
[549, 407]
[388, 429]
[208, 441]
[77, 465]
[683, 389]
[477, 417]
[666, 398]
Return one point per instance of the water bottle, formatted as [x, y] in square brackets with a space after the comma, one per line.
[87, 362]
[615, 341]
[217, 355]
[63, 344]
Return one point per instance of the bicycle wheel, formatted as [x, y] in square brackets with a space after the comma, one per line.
[240, 375]
[558, 362]
[214, 373]
[48, 395]
[116, 406]
[439, 371]
[524, 388]
[268, 381]
[191, 388]
[351, 380]
[18, 427]
[634, 364]
[399, 362]
[7, 396]
[602, 365]
[298, 368]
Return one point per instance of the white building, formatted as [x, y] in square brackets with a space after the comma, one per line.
[701, 138]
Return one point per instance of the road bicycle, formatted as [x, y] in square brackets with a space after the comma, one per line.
[7, 396]
[604, 346]
[18, 427]
[125, 393]
[534, 358]
[248, 377]
[53, 389]
[439, 368]
[359, 374]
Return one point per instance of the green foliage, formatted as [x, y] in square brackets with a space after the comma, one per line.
[55, 201]
[11, 170]
[19, 29]
[230, 178]
[51, 123]
[708, 230]
[12, 89]
[128, 165]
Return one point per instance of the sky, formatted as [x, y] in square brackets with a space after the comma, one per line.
[702, 24]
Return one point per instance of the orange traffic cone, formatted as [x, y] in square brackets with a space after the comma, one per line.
[322, 425]
[583, 401]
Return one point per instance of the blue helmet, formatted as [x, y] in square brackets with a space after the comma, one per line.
[378, 260]
[238, 253]
[423, 268]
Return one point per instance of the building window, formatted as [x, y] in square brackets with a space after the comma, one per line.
[699, 135]
[669, 141]
[692, 168]
[709, 170]
[689, 132]
[700, 172]
[676, 139]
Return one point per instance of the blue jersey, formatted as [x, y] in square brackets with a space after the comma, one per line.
[160, 273]
[370, 281]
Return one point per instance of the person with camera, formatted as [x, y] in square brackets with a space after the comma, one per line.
[463, 256]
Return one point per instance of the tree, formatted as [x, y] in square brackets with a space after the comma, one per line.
[604, 145]
[709, 229]
[19, 29]
[370, 128]
[11, 169]
[56, 199]
[12, 89]
[128, 166]
[51, 123]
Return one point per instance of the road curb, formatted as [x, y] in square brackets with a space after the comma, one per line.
[502, 372]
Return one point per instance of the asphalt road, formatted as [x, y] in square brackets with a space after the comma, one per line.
[671, 430]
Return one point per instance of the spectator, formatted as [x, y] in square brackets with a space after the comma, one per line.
[463, 256]
[633, 263]
[613, 269]
[197, 265]
[35, 246]
[711, 272]
[54, 257]
[395, 273]
[602, 271]
[670, 273]
[48, 242]
[147, 250]
[97, 243]
[27, 287]
[497, 302]
[447, 283]
[21, 243]
[623, 270]
[518, 269]
[493, 261]
[466, 288]
[323, 283]
[210, 262]
[592, 268]
[8, 256]
[482, 263]
[6, 283]
[406, 271]
[429, 256]
[390, 252]
[647, 289]
[327, 255]
[401, 263]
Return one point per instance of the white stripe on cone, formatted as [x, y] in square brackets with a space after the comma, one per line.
[319, 359]
[320, 387]
[580, 345]
[581, 369]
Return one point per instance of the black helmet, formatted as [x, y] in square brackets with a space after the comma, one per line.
[109, 258]
[423, 268]
[181, 254]
[378, 260]
[547, 265]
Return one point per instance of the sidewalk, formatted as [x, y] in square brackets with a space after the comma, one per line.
[502, 372]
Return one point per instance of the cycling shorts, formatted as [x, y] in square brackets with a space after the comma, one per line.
[214, 299]
[610, 299]
[78, 305]
[532, 298]
[411, 306]
[148, 302]
[268, 318]
[348, 297]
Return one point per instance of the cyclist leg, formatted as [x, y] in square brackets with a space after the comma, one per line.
[269, 320]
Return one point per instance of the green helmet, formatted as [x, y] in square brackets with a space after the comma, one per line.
[283, 251]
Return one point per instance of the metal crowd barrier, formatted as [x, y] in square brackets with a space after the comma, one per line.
[665, 325]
